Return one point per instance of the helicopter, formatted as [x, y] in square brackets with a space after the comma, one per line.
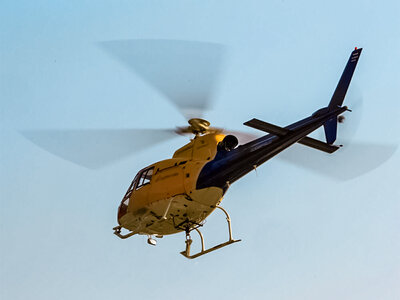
[178, 194]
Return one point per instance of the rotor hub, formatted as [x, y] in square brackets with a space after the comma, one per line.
[198, 125]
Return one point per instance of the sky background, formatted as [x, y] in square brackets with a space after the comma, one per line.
[304, 235]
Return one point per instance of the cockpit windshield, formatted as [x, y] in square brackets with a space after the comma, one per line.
[141, 179]
[144, 177]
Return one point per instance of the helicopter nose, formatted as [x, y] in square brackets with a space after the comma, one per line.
[122, 210]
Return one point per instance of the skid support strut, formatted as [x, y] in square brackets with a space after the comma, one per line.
[117, 232]
[203, 251]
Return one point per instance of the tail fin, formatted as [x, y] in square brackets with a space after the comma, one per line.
[330, 127]
[340, 92]
[344, 82]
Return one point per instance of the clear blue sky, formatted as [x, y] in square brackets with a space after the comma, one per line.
[305, 235]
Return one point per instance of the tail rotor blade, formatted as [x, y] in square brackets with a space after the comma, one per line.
[351, 121]
[351, 161]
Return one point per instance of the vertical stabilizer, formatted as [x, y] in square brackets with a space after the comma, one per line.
[340, 92]
[330, 130]
[344, 82]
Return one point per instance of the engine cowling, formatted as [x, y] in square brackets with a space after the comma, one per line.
[228, 143]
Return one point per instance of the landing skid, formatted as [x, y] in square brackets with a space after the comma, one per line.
[203, 251]
[117, 232]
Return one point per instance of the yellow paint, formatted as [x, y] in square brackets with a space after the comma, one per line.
[200, 148]
[172, 191]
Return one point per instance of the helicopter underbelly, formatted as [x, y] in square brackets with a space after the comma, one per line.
[172, 215]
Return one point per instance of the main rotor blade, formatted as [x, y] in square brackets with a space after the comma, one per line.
[94, 148]
[186, 72]
[351, 161]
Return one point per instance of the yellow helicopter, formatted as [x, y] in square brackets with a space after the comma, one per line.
[178, 194]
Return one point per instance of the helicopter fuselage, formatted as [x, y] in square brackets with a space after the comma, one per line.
[178, 194]
[168, 200]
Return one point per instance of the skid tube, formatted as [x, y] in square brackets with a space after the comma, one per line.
[203, 251]
[117, 232]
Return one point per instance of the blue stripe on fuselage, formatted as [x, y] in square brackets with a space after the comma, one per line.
[229, 166]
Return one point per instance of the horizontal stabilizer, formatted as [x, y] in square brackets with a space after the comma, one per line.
[316, 144]
[266, 127]
[279, 131]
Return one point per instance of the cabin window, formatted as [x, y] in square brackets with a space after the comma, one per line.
[123, 208]
[145, 177]
[130, 189]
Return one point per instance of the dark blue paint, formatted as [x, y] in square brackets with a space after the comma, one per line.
[330, 127]
[229, 166]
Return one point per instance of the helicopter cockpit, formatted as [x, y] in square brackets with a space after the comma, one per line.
[142, 178]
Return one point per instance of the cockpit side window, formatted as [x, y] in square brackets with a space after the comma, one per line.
[145, 177]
